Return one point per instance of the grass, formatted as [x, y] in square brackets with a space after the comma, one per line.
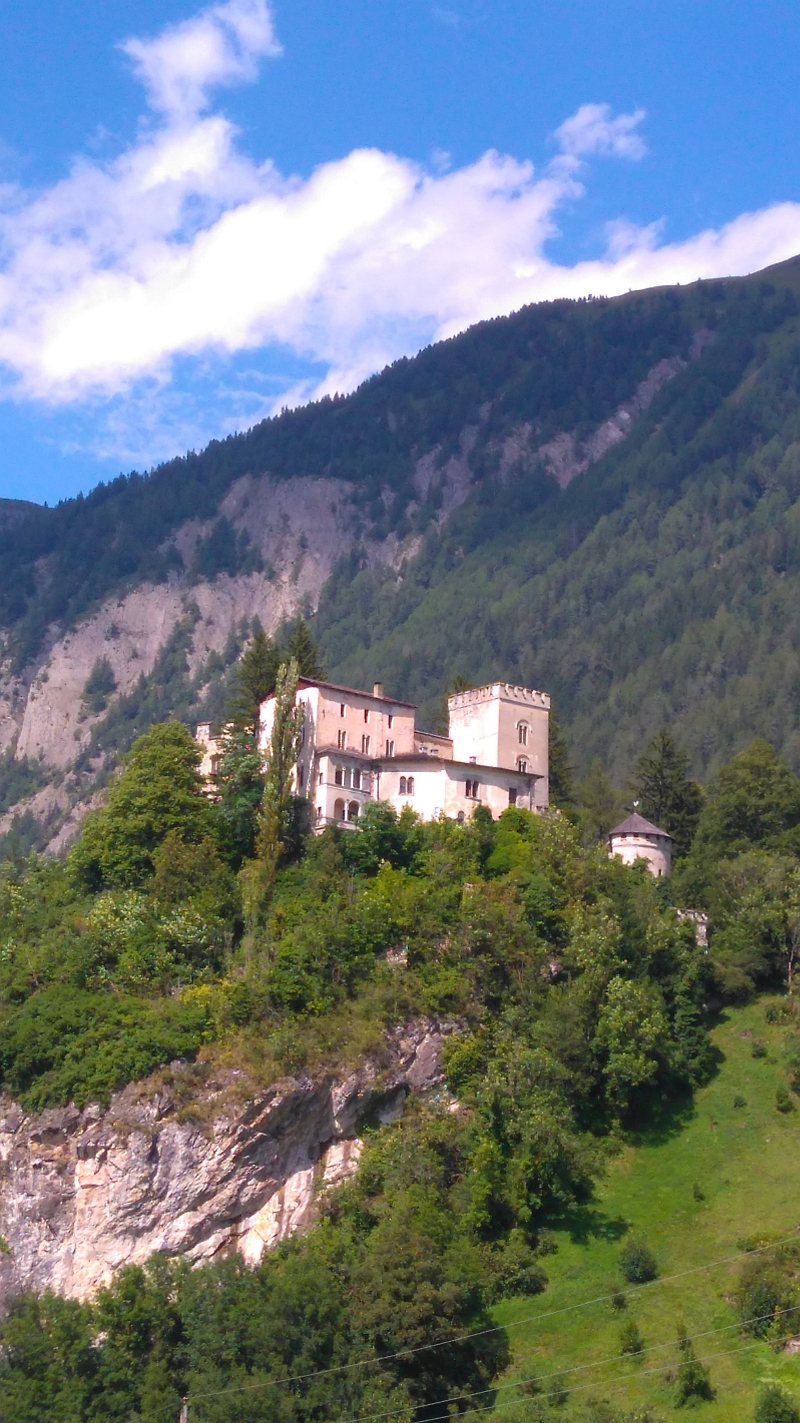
[744, 1162]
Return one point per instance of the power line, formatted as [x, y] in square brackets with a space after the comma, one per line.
[579, 1368]
[484, 1333]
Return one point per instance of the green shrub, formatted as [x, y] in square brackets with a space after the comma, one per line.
[630, 1338]
[739, 1101]
[694, 1380]
[637, 1261]
[698, 1192]
[783, 1099]
[775, 1406]
[758, 1048]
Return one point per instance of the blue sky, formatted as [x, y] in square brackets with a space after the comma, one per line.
[206, 213]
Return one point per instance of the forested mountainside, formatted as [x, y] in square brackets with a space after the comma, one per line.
[598, 498]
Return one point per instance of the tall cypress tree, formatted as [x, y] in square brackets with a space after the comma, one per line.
[665, 793]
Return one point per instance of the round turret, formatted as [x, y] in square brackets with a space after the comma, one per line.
[636, 839]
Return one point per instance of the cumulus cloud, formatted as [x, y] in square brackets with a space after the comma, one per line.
[592, 130]
[183, 252]
[221, 45]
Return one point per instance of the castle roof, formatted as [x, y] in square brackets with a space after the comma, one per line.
[637, 825]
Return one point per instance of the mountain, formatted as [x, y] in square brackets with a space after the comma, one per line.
[600, 498]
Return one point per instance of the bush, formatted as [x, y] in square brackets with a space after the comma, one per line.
[739, 1101]
[758, 1049]
[698, 1192]
[775, 1406]
[637, 1261]
[694, 1380]
[630, 1338]
[783, 1099]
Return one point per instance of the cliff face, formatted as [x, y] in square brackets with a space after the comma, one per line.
[82, 1193]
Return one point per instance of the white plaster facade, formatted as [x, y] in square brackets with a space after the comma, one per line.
[361, 746]
[636, 839]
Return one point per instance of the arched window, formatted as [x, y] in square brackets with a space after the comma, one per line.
[522, 732]
[338, 810]
[460, 817]
[352, 810]
[356, 779]
[411, 785]
[402, 785]
[522, 764]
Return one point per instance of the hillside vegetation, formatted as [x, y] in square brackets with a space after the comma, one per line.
[582, 1011]
[658, 587]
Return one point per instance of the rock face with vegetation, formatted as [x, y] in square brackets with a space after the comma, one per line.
[86, 1192]
[593, 497]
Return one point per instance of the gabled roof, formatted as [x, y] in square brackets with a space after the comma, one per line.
[637, 825]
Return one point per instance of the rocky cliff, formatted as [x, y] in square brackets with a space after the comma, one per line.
[84, 1192]
[298, 530]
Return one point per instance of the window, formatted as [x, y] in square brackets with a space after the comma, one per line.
[390, 748]
[338, 776]
[341, 709]
[347, 776]
[338, 810]
[356, 779]
[522, 732]
[390, 719]
[341, 740]
[319, 778]
[402, 785]
[522, 764]
[319, 812]
[472, 790]
[460, 817]
[352, 810]
[366, 713]
[512, 795]
[365, 745]
[411, 785]
[299, 778]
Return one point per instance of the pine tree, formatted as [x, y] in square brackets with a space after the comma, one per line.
[599, 803]
[239, 785]
[254, 682]
[664, 791]
[305, 652]
[694, 1380]
[562, 789]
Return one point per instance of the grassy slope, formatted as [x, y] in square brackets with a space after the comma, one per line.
[746, 1161]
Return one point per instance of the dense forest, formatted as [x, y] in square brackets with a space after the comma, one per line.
[659, 587]
[180, 926]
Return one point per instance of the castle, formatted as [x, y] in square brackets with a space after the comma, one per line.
[363, 746]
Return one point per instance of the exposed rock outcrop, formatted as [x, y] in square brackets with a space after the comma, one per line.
[84, 1192]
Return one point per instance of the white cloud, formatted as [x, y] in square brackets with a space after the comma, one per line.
[592, 130]
[183, 250]
[221, 45]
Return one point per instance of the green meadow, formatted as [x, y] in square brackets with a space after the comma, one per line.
[706, 1178]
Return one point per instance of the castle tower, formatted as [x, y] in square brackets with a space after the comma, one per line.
[636, 839]
[503, 725]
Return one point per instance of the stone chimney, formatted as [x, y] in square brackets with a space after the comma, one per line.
[377, 690]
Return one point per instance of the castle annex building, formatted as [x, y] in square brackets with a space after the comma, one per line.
[362, 746]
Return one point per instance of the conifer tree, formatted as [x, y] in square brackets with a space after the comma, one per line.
[305, 652]
[664, 791]
[599, 803]
[562, 789]
[254, 682]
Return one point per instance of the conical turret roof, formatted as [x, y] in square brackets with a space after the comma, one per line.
[637, 825]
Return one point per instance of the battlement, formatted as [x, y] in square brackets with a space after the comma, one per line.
[504, 691]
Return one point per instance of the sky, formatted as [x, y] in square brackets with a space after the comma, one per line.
[209, 213]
